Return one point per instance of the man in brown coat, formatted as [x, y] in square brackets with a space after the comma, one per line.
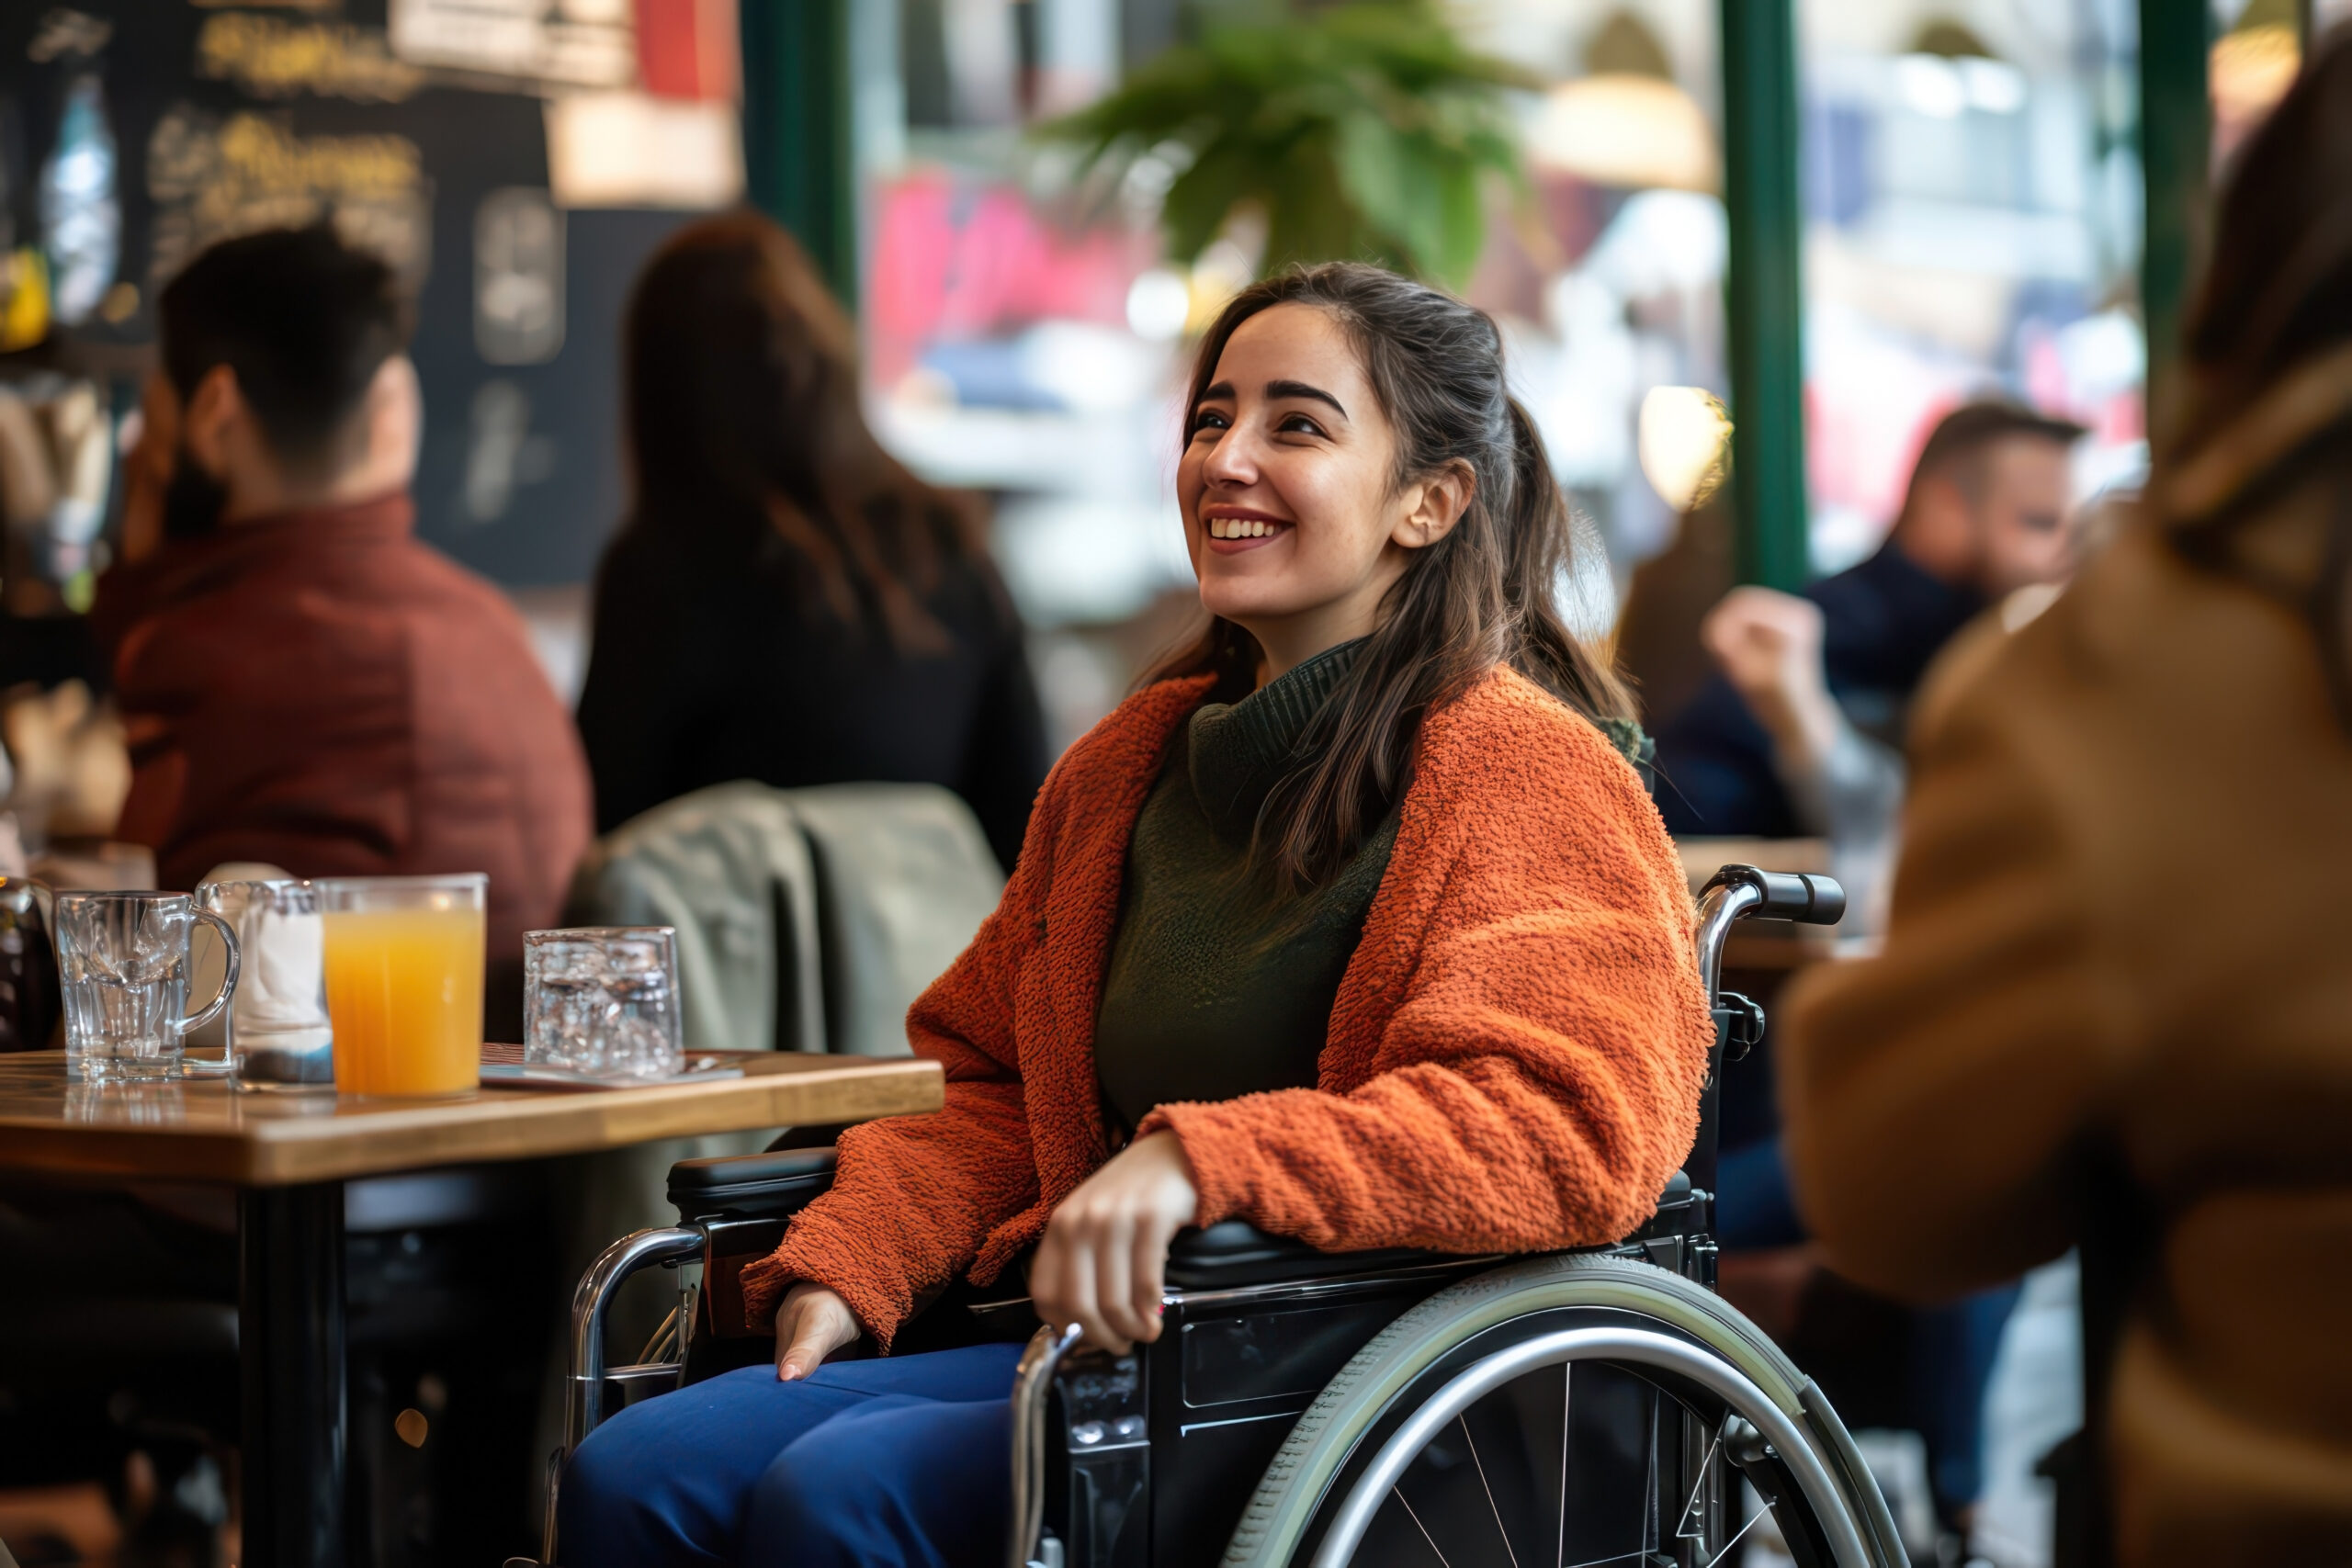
[2114, 1009]
[302, 681]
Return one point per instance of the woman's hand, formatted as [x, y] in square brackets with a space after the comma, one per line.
[811, 1323]
[1106, 1246]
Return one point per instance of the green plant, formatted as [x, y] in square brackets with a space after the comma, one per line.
[1361, 131]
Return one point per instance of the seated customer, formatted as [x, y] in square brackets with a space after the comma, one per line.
[1800, 733]
[786, 603]
[302, 681]
[1811, 703]
[1352, 922]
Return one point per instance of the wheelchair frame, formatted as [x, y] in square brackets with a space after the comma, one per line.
[1282, 1371]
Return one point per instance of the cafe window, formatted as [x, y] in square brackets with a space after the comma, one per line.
[1971, 207]
[1030, 344]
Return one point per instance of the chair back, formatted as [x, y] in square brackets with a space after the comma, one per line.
[903, 879]
[808, 919]
[727, 866]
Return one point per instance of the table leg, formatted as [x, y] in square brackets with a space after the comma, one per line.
[290, 1350]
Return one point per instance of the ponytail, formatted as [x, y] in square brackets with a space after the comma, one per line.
[1542, 565]
[1486, 594]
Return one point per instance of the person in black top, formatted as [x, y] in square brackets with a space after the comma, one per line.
[786, 603]
[1799, 732]
[1985, 514]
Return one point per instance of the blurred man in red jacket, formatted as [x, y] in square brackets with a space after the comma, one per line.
[303, 683]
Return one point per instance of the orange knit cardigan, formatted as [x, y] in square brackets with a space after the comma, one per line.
[1515, 1054]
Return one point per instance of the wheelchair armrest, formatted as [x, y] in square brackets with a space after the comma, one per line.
[1235, 1252]
[759, 1186]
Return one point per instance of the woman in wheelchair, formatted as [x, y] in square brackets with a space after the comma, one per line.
[1355, 921]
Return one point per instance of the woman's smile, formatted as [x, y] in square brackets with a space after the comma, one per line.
[1234, 529]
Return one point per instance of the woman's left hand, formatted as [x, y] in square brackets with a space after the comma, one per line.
[1106, 1247]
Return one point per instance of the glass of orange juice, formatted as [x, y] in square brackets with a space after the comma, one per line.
[404, 973]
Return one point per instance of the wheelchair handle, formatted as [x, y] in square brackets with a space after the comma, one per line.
[1032, 1382]
[1806, 897]
[1746, 892]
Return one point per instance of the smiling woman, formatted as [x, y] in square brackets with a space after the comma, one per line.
[1354, 468]
[1352, 922]
[1297, 527]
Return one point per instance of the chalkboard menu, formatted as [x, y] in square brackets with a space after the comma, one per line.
[224, 119]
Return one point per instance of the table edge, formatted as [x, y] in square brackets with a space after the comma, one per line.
[295, 1150]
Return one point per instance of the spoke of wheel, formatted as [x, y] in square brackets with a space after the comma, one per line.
[1743, 1529]
[1649, 1482]
[1682, 1530]
[1462, 1420]
[1399, 1493]
[1567, 1371]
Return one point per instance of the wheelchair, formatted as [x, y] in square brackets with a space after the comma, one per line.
[1390, 1409]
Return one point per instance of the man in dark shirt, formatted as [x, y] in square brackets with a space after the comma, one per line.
[1985, 514]
[1801, 732]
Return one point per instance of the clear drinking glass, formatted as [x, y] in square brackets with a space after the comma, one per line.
[603, 1001]
[123, 961]
[404, 971]
[278, 1034]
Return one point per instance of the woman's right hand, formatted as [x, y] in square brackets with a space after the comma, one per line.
[811, 1323]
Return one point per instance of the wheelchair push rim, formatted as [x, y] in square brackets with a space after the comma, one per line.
[1564, 1347]
[1746, 1410]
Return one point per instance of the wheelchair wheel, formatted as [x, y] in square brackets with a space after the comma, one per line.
[1568, 1410]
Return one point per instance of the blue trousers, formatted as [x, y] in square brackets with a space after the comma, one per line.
[905, 1460]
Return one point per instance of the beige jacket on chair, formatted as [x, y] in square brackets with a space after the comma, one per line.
[808, 919]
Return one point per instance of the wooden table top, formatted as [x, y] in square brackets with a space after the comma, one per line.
[205, 1130]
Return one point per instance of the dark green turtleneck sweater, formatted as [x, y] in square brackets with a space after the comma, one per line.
[1218, 984]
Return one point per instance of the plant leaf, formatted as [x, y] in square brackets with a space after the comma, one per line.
[1364, 130]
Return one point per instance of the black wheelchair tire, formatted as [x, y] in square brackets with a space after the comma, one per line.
[1301, 1492]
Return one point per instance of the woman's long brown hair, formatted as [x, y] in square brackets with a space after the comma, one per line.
[2274, 309]
[747, 435]
[1487, 595]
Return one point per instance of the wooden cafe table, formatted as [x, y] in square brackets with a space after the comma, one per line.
[288, 1157]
